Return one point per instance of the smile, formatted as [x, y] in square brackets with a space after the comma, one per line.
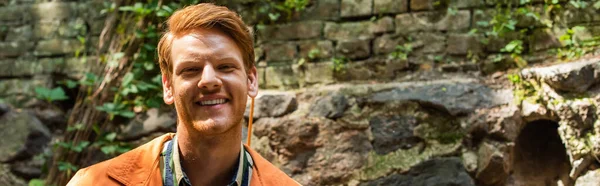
[211, 102]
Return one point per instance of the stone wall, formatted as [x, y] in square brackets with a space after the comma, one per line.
[361, 34]
[39, 41]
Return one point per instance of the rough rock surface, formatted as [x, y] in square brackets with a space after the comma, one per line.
[571, 77]
[23, 136]
[7, 178]
[270, 104]
[331, 106]
[439, 171]
[590, 178]
[457, 97]
[152, 121]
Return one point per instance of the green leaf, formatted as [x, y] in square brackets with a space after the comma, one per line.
[36, 182]
[63, 166]
[274, 16]
[127, 114]
[513, 46]
[127, 79]
[82, 145]
[111, 136]
[108, 150]
[58, 94]
[78, 126]
[71, 84]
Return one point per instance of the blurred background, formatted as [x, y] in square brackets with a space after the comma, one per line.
[353, 92]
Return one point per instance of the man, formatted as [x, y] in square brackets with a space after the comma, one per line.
[207, 65]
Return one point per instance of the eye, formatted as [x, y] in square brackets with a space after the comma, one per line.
[192, 69]
[226, 67]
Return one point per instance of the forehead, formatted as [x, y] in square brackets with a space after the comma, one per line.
[205, 44]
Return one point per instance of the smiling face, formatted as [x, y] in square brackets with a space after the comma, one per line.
[209, 83]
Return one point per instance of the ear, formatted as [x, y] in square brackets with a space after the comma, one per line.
[252, 82]
[167, 90]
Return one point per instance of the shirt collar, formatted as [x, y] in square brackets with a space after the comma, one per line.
[180, 174]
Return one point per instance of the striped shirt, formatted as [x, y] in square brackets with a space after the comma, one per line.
[174, 175]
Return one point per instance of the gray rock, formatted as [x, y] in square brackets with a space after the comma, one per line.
[389, 6]
[429, 21]
[152, 121]
[318, 73]
[22, 33]
[590, 178]
[354, 49]
[572, 77]
[57, 47]
[417, 5]
[428, 42]
[457, 97]
[543, 39]
[53, 11]
[343, 31]
[4, 108]
[494, 163]
[535, 111]
[462, 44]
[280, 51]
[386, 44]
[28, 169]
[324, 49]
[439, 171]
[331, 106]
[289, 31]
[47, 29]
[324, 10]
[392, 133]
[272, 104]
[498, 123]
[382, 25]
[280, 77]
[23, 136]
[15, 13]
[53, 118]
[356, 8]
[12, 49]
[7, 178]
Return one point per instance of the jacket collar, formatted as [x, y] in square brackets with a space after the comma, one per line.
[138, 166]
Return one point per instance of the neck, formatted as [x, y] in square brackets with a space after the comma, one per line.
[209, 160]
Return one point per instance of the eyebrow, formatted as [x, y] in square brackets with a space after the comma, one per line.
[196, 58]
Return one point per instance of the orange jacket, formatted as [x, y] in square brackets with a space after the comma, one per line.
[140, 166]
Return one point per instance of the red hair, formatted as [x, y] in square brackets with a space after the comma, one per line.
[205, 15]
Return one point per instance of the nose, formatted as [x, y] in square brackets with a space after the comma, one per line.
[210, 80]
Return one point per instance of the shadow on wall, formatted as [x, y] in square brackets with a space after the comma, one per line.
[540, 157]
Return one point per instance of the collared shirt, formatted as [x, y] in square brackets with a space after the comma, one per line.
[174, 175]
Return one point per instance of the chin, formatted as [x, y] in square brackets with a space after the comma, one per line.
[212, 127]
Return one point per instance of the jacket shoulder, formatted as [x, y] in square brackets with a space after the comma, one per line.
[131, 167]
[93, 175]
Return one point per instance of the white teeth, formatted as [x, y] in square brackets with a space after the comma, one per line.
[212, 102]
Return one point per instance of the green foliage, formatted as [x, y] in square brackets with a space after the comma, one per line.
[50, 95]
[114, 109]
[313, 53]
[525, 90]
[401, 51]
[339, 64]
[109, 146]
[74, 147]
[573, 47]
[36, 182]
[67, 167]
[274, 9]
